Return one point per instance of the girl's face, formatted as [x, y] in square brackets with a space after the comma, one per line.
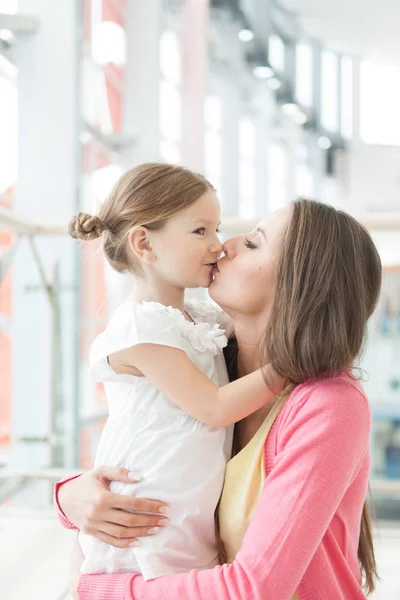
[187, 247]
[245, 280]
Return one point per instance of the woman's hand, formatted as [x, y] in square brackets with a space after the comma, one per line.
[88, 503]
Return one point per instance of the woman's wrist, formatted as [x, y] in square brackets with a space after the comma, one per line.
[60, 491]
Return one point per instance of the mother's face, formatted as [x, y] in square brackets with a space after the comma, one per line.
[245, 283]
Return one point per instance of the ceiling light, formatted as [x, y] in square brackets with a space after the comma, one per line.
[85, 137]
[274, 83]
[246, 35]
[263, 72]
[324, 142]
[6, 35]
[300, 118]
[290, 109]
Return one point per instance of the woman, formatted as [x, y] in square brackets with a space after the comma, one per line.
[293, 518]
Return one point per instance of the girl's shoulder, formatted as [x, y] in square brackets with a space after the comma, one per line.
[135, 323]
[208, 312]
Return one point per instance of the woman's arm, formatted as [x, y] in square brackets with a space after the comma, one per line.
[321, 446]
[175, 375]
[85, 502]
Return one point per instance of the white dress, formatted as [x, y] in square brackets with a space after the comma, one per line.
[182, 461]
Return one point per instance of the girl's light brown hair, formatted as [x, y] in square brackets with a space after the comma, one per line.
[327, 286]
[146, 195]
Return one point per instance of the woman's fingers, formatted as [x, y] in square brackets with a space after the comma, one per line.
[135, 504]
[117, 542]
[124, 533]
[132, 521]
[115, 474]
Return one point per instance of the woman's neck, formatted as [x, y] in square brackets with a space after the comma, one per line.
[248, 334]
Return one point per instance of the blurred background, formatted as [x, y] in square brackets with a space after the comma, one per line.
[271, 99]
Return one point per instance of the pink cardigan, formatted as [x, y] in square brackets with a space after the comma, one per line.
[304, 534]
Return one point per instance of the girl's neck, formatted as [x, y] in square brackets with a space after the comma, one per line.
[159, 291]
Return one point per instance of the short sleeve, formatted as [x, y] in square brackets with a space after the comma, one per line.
[133, 324]
[211, 313]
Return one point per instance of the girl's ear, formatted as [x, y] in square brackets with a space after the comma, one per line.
[140, 244]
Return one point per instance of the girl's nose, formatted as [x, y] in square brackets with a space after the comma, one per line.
[216, 246]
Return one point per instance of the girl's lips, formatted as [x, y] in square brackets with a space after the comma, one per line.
[215, 269]
[211, 266]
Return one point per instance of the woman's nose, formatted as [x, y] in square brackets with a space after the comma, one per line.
[228, 248]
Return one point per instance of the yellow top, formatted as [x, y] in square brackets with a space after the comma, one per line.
[244, 481]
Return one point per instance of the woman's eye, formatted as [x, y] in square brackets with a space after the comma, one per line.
[200, 231]
[249, 244]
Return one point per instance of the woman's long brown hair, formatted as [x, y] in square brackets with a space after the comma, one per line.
[328, 282]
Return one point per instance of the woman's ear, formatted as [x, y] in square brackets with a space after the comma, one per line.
[140, 244]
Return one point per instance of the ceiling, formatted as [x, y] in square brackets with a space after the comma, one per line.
[364, 27]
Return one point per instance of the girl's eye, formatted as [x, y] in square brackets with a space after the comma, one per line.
[249, 244]
[200, 230]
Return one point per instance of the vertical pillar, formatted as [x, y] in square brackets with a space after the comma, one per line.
[194, 38]
[47, 190]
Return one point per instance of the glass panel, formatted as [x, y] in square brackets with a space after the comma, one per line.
[247, 138]
[170, 152]
[213, 113]
[212, 158]
[276, 52]
[276, 167]
[170, 111]
[329, 91]
[109, 44]
[379, 103]
[8, 137]
[304, 74]
[170, 58]
[346, 101]
[247, 189]
[304, 181]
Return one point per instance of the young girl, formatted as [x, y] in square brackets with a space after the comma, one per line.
[170, 405]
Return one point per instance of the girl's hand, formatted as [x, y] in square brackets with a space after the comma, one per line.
[88, 503]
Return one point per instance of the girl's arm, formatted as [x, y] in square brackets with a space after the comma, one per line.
[174, 374]
[322, 444]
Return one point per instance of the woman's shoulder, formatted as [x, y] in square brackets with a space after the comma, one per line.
[337, 395]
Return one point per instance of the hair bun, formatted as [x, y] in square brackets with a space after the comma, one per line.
[85, 227]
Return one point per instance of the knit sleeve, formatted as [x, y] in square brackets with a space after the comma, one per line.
[65, 522]
[321, 446]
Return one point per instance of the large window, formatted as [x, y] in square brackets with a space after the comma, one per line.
[8, 125]
[170, 98]
[346, 101]
[379, 103]
[276, 52]
[247, 172]
[276, 169]
[329, 91]
[304, 74]
[213, 142]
